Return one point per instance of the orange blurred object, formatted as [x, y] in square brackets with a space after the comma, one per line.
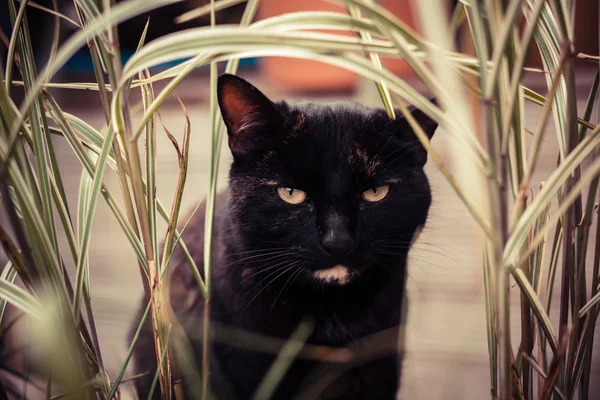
[303, 74]
[308, 75]
[402, 9]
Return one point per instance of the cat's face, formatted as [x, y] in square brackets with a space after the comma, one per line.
[322, 194]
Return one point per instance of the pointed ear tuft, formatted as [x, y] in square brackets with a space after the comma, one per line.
[429, 125]
[245, 110]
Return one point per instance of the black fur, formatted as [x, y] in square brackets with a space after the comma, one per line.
[266, 250]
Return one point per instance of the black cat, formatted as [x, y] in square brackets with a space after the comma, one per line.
[323, 204]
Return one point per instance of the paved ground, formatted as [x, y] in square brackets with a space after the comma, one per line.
[446, 327]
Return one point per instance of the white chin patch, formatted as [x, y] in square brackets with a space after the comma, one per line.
[338, 274]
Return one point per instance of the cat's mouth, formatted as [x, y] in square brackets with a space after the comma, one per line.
[339, 274]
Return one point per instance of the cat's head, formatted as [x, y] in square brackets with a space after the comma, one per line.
[322, 194]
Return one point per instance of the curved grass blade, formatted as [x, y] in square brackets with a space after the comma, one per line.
[206, 9]
[9, 273]
[589, 305]
[42, 147]
[20, 298]
[384, 93]
[592, 172]
[87, 222]
[10, 55]
[551, 187]
[115, 15]
[359, 65]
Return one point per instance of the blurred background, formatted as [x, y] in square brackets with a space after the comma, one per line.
[446, 333]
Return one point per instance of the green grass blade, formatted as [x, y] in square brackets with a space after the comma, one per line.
[589, 105]
[552, 185]
[163, 353]
[85, 184]
[20, 298]
[87, 223]
[83, 201]
[295, 44]
[117, 14]
[125, 227]
[283, 361]
[10, 55]
[183, 158]
[64, 121]
[488, 284]
[81, 130]
[589, 305]
[39, 127]
[384, 92]
[65, 217]
[592, 172]
[536, 307]
[519, 64]
[147, 98]
[69, 124]
[123, 368]
[546, 37]
[41, 242]
[349, 61]
[209, 218]
[9, 273]
[538, 99]
[192, 264]
[535, 147]
[206, 9]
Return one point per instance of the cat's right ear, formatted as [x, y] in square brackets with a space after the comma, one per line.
[248, 114]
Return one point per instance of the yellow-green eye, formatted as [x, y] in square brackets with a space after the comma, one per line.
[376, 194]
[290, 195]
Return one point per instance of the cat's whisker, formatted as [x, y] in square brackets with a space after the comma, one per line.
[264, 269]
[415, 244]
[381, 263]
[420, 250]
[404, 246]
[257, 251]
[289, 268]
[280, 266]
[290, 280]
[420, 260]
[389, 268]
[434, 253]
[261, 264]
[413, 260]
[272, 255]
[274, 242]
[394, 246]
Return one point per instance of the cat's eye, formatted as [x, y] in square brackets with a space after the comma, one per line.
[291, 195]
[376, 194]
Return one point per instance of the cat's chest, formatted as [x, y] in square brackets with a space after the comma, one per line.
[328, 327]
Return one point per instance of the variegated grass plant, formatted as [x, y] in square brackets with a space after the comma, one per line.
[539, 242]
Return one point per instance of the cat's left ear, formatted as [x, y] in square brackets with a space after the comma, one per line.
[248, 114]
[429, 125]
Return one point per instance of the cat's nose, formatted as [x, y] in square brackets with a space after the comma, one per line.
[337, 239]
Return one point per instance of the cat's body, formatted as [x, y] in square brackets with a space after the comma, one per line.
[330, 253]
